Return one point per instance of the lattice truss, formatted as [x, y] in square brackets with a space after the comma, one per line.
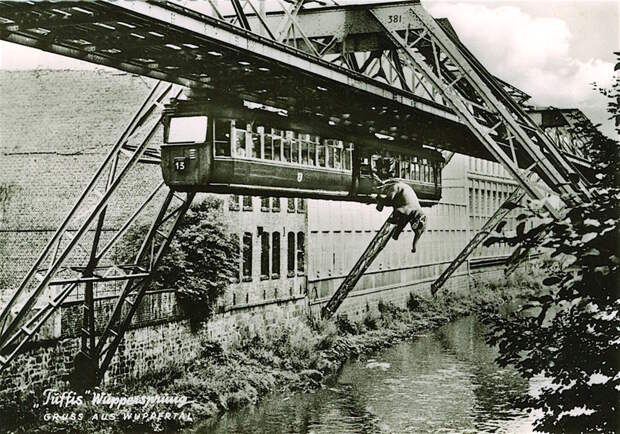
[404, 67]
[81, 262]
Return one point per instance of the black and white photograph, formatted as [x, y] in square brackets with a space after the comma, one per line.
[309, 216]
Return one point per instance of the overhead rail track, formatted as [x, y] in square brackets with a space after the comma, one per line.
[361, 92]
[387, 69]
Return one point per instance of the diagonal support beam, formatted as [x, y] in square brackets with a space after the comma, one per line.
[375, 247]
[121, 317]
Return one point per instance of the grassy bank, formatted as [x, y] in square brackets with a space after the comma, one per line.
[295, 355]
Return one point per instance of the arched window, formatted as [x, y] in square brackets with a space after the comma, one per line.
[291, 253]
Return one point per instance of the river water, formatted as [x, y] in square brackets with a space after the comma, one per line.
[444, 381]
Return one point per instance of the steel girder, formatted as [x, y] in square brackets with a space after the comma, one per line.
[490, 112]
[377, 244]
[355, 82]
[59, 271]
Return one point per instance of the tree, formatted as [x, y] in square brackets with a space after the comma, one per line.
[201, 262]
[569, 334]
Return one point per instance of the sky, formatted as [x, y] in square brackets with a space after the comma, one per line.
[553, 50]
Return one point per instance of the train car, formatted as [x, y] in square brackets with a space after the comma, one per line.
[216, 152]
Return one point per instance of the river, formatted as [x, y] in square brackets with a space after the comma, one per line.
[444, 381]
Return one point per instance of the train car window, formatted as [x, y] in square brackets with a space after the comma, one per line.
[252, 147]
[290, 204]
[405, 172]
[247, 256]
[348, 157]
[303, 140]
[301, 252]
[275, 204]
[286, 149]
[311, 153]
[415, 171]
[337, 160]
[239, 140]
[328, 153]
[265, 253]
[320, 154]
[267, 144]
[294, 147]
[426, 171]
[277, 144]
[275, 255]
[254, 137]
[187, 129]
[290, 246]
[221, 137]
[431, 172]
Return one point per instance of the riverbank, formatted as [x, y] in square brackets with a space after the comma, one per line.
[297, 355]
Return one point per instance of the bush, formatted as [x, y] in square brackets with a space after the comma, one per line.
[201, 261]
[345, 326]
[569, 332]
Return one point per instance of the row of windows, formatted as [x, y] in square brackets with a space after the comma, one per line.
[408, 167]
[251, 141]
[270, 246]
[267, 204]
[485, 202]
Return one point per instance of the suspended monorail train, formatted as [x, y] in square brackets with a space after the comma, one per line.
[209, 151]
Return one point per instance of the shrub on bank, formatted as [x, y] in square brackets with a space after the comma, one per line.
[296, 354]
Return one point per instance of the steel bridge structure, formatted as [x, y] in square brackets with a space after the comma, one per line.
[360, 70]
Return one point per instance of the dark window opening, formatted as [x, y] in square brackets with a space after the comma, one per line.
[247, 256]
[236, 242]
[247, 203]
[233, 203]
[301, 205]
[291, 253]
[275, 255]
[264, 255]
[301, 254]
[264, 203]
[291, 204]
[275, 204]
